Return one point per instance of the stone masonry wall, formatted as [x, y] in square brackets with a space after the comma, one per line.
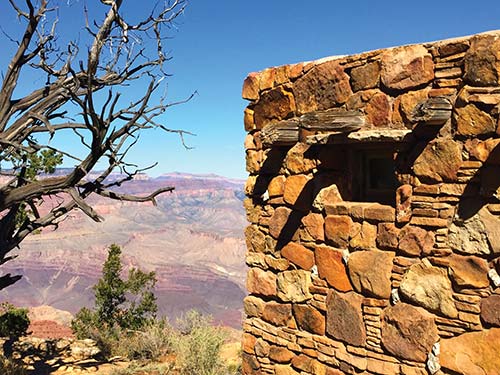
[342, 286]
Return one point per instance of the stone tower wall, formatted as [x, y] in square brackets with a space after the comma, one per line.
[343, 280]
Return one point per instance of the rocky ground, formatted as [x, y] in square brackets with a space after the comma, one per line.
[76, 357]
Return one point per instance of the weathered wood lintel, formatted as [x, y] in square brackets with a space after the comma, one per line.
[334, 119]
[362, 136]
[288, 132]
[433, 111]
[283, 133]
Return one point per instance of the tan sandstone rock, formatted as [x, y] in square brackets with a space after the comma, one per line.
[378, 110]
[249, 364]
[469, 271]
[313, 224]
[472, 353]
[297, 159]
[248, 119]
[280, 354]
[471, 121]
[415, 241]
[277, 313]
[439, 161]
[408, 332]
[284, 370]
[248, 343]
[404, 195]
[261, 282]
[408, 101]
[309, 319]
[276, 186]
[479, 234]
[253, 306]
[274, 105]
[364, 236]
[338, 229]
[261, 348]
[294, 285]
[370, 272]
[278, 221]
[387, 236]
[485, 151]
[324, 86]
[267, 78]
[310, 365]
[406, 67]
[366, 76]
[250, 89]
[490, 310]
[255, 238]
[429, 287]
[482, 61]
[298, 191]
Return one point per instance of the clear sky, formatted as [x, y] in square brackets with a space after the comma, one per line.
[217, 43]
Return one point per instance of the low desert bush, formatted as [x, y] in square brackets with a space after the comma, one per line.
[14, 321]
[149, 343]
[197, 345]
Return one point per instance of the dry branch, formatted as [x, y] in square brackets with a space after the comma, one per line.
[80, 92]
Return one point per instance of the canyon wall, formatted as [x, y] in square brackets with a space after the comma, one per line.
[374, 209]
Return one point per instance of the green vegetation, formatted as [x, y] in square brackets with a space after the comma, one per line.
[124, 323]
[120, 305]
[197, 345]
[14, 321]
[30, 166]
[151, 342]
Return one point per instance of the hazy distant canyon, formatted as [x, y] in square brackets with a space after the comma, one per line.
[193, 240]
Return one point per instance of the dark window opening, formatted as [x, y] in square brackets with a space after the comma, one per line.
[374, 176]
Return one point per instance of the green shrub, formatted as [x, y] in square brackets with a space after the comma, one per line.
[197, 346]
[149, 343]
[120, 304]
[14, 321]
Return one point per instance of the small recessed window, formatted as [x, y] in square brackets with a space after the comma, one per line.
[374, 177]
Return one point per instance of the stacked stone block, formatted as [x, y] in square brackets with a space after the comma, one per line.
[339, 286]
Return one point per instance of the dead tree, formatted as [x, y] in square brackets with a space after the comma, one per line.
[80, 93]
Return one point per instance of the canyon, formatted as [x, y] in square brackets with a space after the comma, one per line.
[192, 239]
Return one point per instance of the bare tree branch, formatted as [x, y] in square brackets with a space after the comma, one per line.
[80, 95]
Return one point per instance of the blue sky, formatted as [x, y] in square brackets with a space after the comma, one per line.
[217, 43]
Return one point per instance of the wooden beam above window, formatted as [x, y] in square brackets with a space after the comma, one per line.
[289, 132]
[362, 136]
